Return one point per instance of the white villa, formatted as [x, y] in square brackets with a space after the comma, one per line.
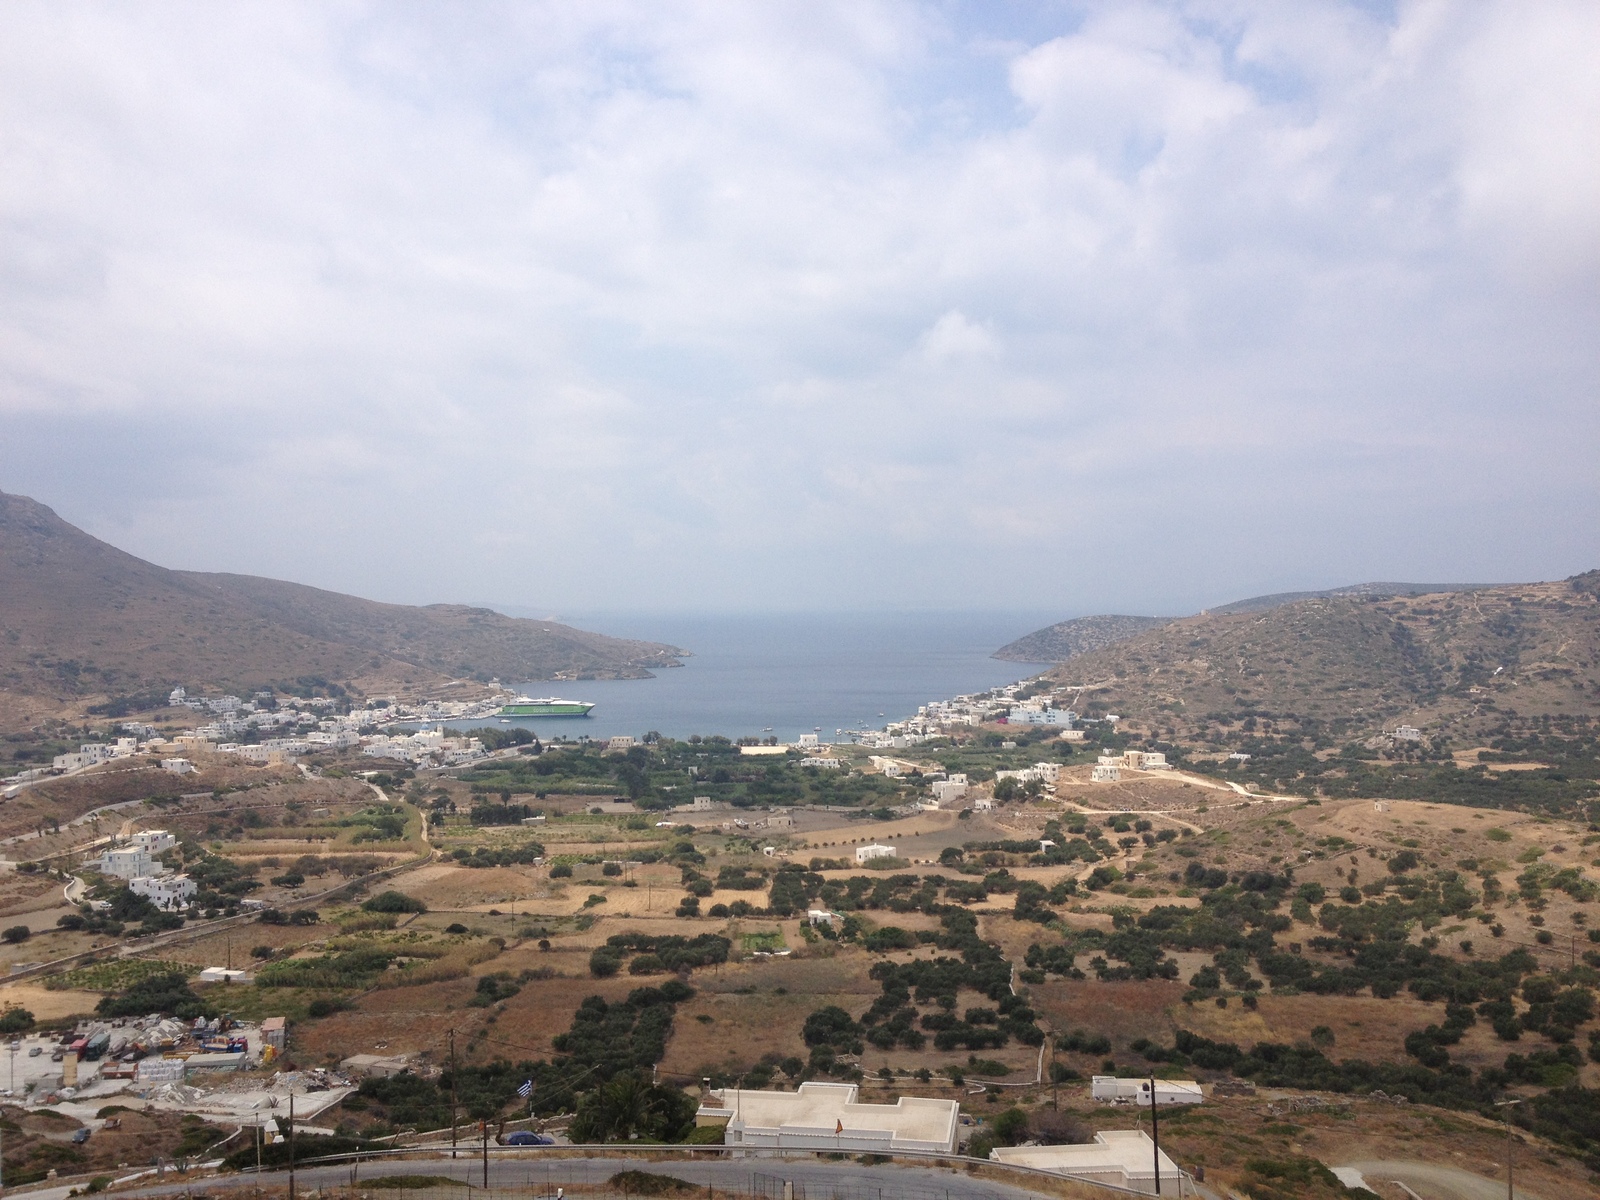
[830, 1116]
[1124, 1158]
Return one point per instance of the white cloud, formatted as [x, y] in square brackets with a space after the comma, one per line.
[952, 336]
[695, 292]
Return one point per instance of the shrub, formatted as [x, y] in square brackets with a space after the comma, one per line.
[648, 1183]
[394, 902]
[1011, 1126]
[561, 871]
[17, 933]
[166, 993]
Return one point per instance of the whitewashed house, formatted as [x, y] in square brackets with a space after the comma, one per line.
[1123, 1158]
[166, 892]
[831, 1117]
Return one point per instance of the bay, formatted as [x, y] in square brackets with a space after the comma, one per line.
[784, 675]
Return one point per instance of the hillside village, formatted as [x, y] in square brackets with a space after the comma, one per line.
[778, 916]
[1311, 931]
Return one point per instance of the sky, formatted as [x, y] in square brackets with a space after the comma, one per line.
[808, 306]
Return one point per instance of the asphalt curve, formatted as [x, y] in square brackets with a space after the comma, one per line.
[534, 1170]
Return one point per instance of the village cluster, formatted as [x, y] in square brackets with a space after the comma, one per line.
[281, 729]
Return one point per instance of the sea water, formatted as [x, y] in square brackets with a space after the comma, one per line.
[781, 676]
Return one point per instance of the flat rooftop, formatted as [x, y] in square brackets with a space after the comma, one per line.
[823, 1107]
[1124, 1151]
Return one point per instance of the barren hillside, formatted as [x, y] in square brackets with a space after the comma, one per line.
[1465, 660]
[80, 620]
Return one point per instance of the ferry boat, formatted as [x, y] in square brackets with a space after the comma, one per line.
[548, 706]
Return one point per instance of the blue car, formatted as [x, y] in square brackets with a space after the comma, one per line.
[523, 1137]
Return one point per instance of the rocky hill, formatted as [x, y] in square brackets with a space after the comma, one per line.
[1068, 639]
[1263, 603]
[1459, 664]
[82, 621]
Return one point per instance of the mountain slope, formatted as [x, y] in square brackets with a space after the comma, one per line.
[1465, 660]
[454, 639]
[1068, 639]
[1263, 603]
[80, 618]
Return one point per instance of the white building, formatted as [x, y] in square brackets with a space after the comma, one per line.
[127, 862]
[153, 841]
[333, 739]
[178, 766]
[829, 1116]
[164, 891]
[1104, 773]
[1124, 1158]
[1408, 733]
[889, 767]
[873, 850]
[1145, 760]
[808, 741]
[818, 760]
[948, 791]
[983, 804]
[139, 857]
[1027, 715]
[1108, 1089]
[621, 741]
[224, 975]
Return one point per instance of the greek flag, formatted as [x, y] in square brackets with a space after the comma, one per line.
[526, 1090]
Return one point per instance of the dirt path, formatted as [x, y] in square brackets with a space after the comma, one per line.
[1437, 1183]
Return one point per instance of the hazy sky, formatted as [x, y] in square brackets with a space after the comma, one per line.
[774, 306]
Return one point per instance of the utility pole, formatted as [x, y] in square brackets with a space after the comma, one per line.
[1155, 1134]
[291, 1142]
[452, 1093]
[485, 1124]
[1506, 1117]
[1055, 1088]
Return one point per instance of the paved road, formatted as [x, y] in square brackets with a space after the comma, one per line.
[530, 1169]
[1437, 1183]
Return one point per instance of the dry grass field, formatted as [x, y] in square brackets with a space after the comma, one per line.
[753, 1007]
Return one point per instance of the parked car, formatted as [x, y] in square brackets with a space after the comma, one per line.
[524, 1137]
[80, 1136]
[35, 1051]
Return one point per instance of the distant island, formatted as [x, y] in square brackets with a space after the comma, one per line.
[86, 626]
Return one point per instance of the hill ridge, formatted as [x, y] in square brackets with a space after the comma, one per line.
[81, 619]
[1067, 639]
